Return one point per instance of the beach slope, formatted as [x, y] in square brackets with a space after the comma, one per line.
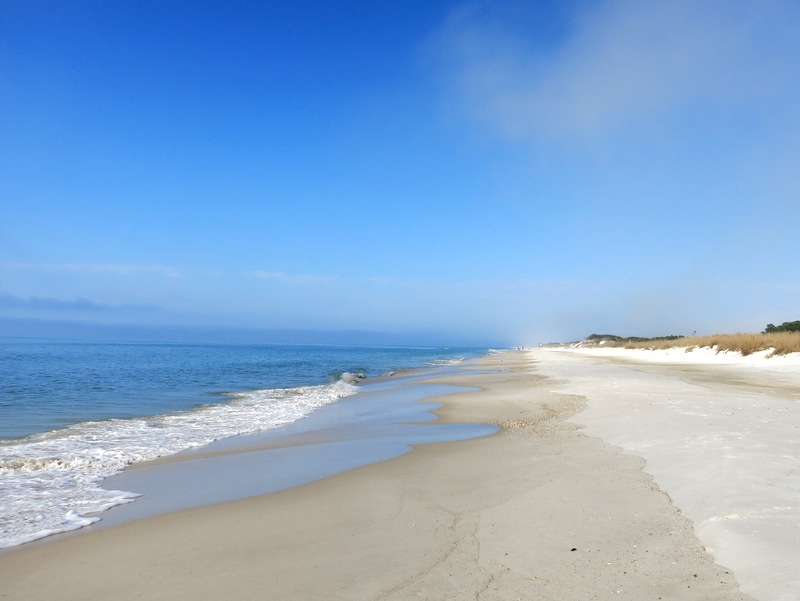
[537, 511]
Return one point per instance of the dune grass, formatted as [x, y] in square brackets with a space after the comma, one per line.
[780, 343]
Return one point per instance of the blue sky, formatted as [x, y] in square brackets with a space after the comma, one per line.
[488, 172]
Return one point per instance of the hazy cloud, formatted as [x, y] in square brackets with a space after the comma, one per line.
[8, 301]
[36, 304]
[620, 66]
[97, 268]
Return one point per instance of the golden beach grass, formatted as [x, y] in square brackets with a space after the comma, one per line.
[781, 343]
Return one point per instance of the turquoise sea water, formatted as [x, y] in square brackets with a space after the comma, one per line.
[75, 412]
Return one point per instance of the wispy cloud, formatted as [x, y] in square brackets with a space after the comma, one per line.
[97, 268]
[622, 66]
[37, 304]
[397, 282]
[290, 278]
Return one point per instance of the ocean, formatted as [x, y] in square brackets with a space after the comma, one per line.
[74, 412]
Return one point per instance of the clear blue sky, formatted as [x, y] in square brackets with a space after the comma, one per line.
[496, 172]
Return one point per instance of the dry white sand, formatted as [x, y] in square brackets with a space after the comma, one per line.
[537, 511]
[720, 434]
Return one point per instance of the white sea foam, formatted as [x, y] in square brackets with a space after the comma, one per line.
[49, 482]
[444, 362]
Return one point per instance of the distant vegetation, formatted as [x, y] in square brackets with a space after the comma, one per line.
[613, 338]
[781, 340]
[786, 326]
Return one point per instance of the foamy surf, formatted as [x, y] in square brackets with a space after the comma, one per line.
[50, 482]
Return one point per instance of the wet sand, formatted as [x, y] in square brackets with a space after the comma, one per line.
[539, 510]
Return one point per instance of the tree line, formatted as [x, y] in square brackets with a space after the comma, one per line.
[786, 326]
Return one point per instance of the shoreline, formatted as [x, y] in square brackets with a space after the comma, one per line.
[61, 479]
[538, 509]
[385, 419]
[379, 421]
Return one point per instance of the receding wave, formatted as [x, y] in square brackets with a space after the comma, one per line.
[50, 482]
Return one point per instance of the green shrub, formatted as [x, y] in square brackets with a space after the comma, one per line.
[786, 326]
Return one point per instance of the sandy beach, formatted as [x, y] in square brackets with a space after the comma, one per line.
[720, 433]
[565, 501]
